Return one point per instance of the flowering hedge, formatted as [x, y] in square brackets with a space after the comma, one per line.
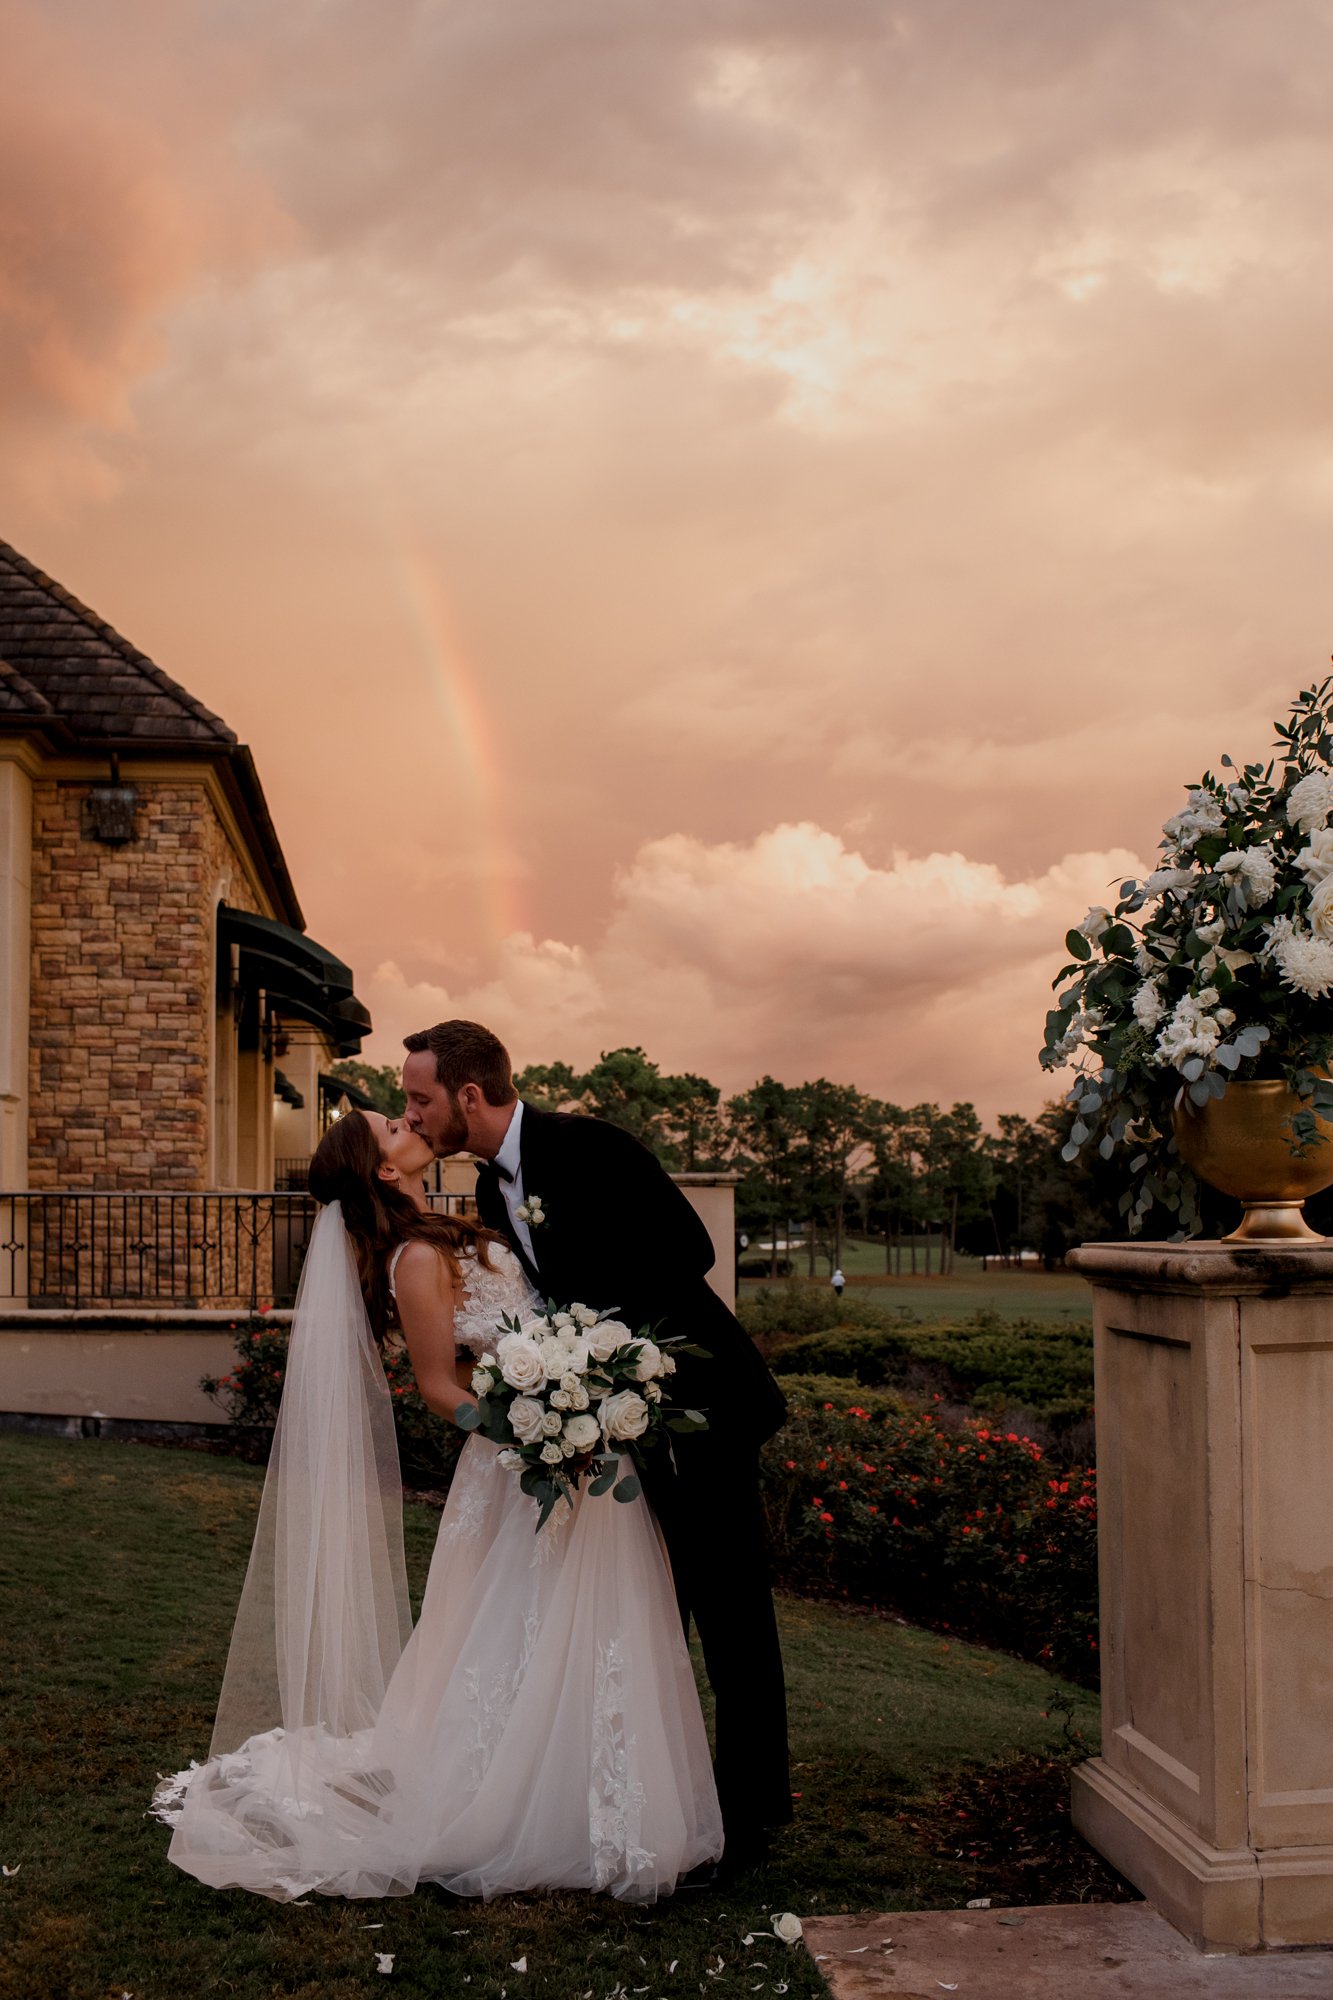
[428, 1447]
[970, 1529]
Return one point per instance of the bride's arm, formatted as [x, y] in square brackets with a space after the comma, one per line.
[425, 1301]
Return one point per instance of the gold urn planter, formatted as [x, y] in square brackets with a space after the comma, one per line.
[1241, 1145]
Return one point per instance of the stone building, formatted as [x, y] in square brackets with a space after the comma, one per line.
[165, 1013]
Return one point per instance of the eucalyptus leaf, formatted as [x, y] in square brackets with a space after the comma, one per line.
[467, 1416]
[629, 1488]
[1199, 1093]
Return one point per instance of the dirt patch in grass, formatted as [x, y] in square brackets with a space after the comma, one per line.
[1011, 1826]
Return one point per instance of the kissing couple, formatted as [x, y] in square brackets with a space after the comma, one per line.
[540, 1726]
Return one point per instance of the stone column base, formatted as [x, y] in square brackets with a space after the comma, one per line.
[1240, 1900]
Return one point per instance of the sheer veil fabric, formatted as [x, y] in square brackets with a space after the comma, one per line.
[539, 1729]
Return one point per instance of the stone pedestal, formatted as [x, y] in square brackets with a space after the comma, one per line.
[1214, 1790]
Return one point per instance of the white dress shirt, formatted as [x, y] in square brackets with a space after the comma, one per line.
[509, 1159]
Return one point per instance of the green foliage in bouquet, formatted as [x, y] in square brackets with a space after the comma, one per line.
[1218, 966]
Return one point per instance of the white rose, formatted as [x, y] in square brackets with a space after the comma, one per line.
[1316, 860]
[1096, 923]
[668, 1364]
[562, 1319]
[482, 1381]
[624, 1415]
[1163, 879]
[521, 1363]
[1321, 909]
[788, 1928]
[567, 1450]
[551, 1422]
[585, 1315]
[525, 1420]
[606, 1337]
[511, 1460]
[571, 1384]
[488, 1361]
[551, 1454]
[554, 1359]
[649, 1363]
[582, 1432]
[1210, 933]
[1148, 1006]
[537, 1328]
[559, 1399]
[579, 1398]
[653, 1391]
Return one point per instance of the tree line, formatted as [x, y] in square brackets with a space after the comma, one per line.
[820, 1162]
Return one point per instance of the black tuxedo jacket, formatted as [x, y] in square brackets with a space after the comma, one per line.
[619, 1232]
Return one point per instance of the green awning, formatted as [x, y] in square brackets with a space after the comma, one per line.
[300, 977]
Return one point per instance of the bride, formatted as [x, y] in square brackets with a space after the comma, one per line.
[540, 1727]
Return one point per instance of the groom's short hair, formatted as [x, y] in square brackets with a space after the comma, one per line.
[465, 1052]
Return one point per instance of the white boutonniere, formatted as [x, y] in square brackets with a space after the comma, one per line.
[531, 1211]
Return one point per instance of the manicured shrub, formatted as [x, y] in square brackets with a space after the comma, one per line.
[967, 1528]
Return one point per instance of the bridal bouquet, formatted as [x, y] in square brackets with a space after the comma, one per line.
[1219, 965]
[569, 1390]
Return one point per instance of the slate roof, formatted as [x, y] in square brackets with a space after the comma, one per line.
[62, 663]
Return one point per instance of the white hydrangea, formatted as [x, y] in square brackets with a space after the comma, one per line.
[1311, 801]
[1192, 1030]
[1149, 1006]
[1202, 815]
[1303, 962]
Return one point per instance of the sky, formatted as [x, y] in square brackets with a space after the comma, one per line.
[726, 527]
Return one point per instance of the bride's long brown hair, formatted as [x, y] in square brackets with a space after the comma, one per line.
[345, 1167]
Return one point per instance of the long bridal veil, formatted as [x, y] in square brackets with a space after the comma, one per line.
[324, 1613]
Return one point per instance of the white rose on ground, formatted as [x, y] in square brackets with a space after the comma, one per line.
[788, 1928]
[1096, 923]
[649, 1363]
[624, 1415]
[525, 1420]
[551, 1422]
[1321, 909]
[582, 1432]
[1316, 860]
[1311, 801]
[606, 1337]
[521, 1363]
[551, 1454]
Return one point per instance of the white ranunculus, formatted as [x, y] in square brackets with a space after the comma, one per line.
[521, 1362]
[1321, 909]
[525, 1420]
[649, 1364]
[1311, 801]
[1096, 923]
[551, 1453]
[624, 1415]
[551, 1422]
[583, 1432]
[606, 1337]
[1316, 860]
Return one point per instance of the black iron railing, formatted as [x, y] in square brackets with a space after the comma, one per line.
[229, 1251]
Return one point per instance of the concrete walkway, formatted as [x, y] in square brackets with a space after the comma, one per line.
[1073, 1951]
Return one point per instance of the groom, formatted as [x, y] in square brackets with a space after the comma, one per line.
[605, 1225]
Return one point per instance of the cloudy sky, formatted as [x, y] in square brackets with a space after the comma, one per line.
[725, 525]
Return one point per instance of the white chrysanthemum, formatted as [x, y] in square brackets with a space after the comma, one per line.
[1311, 801]
[1303, 962]
[1149, 1006]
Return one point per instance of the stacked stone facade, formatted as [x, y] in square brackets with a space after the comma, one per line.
[122, 995]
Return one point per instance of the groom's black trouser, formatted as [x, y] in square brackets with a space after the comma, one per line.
[713, 1521]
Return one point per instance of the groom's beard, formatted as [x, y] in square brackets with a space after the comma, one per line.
[453, 1139]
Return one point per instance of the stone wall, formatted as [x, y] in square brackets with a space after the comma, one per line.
[122, 991]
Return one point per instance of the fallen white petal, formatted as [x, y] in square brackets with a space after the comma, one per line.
[947, 1987]
[519, 1964]
[14, 1870]
[384, 1961]
[979, 1903]
[855, 1950]
[674, 1963]
[372, 1927]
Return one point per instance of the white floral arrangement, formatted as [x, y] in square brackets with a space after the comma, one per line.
[1218, 966]
[567, 1393]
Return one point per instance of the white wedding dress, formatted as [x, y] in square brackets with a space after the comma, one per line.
[541, 1729]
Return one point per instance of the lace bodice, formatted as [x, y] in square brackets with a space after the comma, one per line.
[486, 1294]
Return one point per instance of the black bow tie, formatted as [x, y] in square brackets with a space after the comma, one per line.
[496, 1171]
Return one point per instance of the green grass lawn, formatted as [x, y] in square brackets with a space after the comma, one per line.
[119, 1570]
[1029, 1294]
